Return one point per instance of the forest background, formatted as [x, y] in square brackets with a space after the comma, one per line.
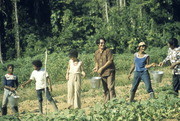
[27, 27]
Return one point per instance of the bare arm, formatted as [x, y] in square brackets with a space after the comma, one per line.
[174, 64]
[49, 82]
[27, 82]
[131, 70]
[149, 65]
[82, 70]
[67, 72]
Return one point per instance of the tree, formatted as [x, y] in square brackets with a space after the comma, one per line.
[16, 28]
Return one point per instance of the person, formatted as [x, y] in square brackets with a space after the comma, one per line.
[10, 82]
[40, 76]
[140, 67]
[74, 75]
[174, 57]
[105, 67]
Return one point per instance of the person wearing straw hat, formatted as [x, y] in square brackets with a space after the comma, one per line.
[140, 67]
[10, 82]
[174, 57]
[40, 76]
[105, 67]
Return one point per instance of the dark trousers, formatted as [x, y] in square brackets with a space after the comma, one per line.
[48, 94]
[176, 82]
[108, 83]
[141, 75]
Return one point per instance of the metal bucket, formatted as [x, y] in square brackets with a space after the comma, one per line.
[157, 76]
[95, 82]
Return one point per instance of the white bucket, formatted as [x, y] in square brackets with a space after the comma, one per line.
[95, 82]
[157, 76]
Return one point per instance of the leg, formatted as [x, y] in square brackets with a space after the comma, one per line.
[111, 85]
[51, 100]
[77, 92]
[106, 91]
[14, 104]
[70, 93]
[40, 99]
[135, 84]
[176, 83]
[5, 102]
[146, 78]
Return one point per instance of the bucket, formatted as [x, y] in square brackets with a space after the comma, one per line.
[95, 82]
[157, 76]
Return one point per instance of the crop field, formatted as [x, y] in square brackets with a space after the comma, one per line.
[165, 107]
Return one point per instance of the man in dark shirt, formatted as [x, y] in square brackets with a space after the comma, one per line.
[10, 82]
[105, 67]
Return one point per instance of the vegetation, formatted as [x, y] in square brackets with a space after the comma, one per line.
[60, 25]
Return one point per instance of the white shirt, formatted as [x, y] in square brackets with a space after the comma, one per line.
[75, 67]
[40, 78]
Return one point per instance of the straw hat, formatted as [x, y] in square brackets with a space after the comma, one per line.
[141, 44]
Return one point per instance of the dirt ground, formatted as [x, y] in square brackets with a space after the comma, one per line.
[89, 99]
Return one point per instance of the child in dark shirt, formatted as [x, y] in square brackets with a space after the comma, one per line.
[10, 82]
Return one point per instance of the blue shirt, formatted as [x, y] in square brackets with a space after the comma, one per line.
[140, 62]
[10, 80]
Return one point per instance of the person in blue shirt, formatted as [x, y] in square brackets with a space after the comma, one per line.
[10, 83]
[140, 68]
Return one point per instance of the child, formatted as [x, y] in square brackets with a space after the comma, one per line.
[10, 82]
[40, 76]
[140, 67]
[174, 57]
[73, 75]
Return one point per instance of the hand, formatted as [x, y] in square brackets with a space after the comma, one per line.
[153, 64]
[129, 76]
[50, 88]
[83, 74]
[100, 71]
[67, 77]
[95, 69]
[161, 64]
[23, 85]
[12, 89]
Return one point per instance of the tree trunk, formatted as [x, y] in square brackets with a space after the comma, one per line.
[16, 30]
[1, 29]
[106, 9]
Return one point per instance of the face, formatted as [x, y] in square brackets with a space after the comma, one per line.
[101, 44]
[35, 68]
[171, 46]
[142, 48]
[10, 69]
[73, 58]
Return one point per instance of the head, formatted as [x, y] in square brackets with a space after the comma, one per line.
[73, 54]
[10, 68]
[173, 43]
[142, 46]
[37, 64]
[101, 43]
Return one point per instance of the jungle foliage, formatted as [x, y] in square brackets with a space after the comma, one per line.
[60, 25]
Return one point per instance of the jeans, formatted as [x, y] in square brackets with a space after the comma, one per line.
[48, 95]
[141, 75]
[176, 83]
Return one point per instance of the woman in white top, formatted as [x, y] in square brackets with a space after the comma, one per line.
[73, 75]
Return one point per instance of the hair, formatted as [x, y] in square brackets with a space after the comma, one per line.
[37, 63]
[10, 65]
[73, 53]
[173, 42]
[98, 40]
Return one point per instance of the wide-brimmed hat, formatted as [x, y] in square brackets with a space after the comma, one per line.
[142, 44]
